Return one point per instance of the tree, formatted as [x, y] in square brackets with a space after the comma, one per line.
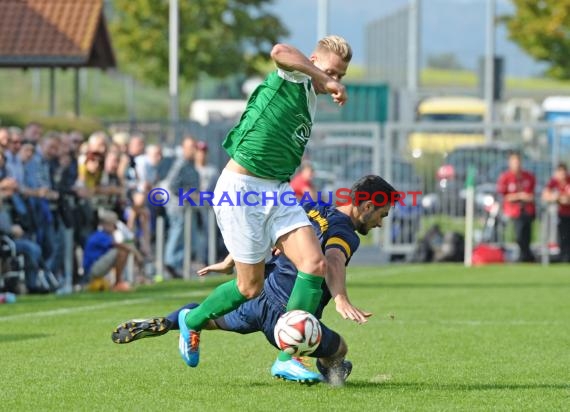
[444, 61]
[541, 28]
[218, 37]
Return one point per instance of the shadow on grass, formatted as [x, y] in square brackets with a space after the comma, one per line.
[454, 386]
[22, 336]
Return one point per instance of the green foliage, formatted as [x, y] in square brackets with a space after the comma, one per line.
[218, 37]
[541, 29]
[66, 124]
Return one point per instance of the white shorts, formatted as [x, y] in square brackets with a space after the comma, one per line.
[250, 231]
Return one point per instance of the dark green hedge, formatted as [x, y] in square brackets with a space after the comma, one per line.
[62, 124]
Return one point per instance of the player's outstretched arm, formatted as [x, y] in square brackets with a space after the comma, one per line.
[289, 58]
[226, 266]
[336, 282]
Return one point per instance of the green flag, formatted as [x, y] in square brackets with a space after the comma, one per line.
[470, 180]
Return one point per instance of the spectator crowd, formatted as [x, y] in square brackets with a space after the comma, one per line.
[65, 194]
[89, 195]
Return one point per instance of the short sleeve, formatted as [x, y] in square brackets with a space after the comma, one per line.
[343, 239]
[293, 77]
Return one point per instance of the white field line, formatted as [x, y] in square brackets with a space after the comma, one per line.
[76, 309]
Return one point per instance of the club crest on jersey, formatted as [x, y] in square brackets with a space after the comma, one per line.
[303, 131]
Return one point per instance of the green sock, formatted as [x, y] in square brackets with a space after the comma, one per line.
[222, 300]
[306, 295]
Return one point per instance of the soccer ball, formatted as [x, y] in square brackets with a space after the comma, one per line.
[298, 333]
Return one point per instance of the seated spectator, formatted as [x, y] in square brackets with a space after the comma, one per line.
[33, 261]
[558, 191]
[102, 254]
[517, 188]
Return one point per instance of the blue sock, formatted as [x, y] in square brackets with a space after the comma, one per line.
[173, 317]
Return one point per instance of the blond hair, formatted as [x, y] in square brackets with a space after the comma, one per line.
[337, 45]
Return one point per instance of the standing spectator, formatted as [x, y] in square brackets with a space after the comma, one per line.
[128, 164]
[73, 142]
[517, 188]
[138, 219]
[98, 142]
[33, 133]
[111, 190]
[208, 176]
[91, 172]
[303, 182]
[16, 169]
[558, 191]
[14, 145]
[208, 172]
[147, 168]
[183, 175]
[121, 139]
[4, 138]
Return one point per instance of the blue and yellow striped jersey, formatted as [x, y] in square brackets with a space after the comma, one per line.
[334, 229]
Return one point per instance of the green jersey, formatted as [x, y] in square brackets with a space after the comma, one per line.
[271, 136]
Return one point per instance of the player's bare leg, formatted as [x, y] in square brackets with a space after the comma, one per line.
[302, 247]
[250, 278]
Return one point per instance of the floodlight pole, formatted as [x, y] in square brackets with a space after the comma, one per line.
[489, 69]
[413, 44]
[323, 19]
[173, 64]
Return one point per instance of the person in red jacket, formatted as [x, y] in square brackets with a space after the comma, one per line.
[302, 183]
[517, 188]
[558, 190]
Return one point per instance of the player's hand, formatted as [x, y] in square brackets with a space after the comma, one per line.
[220, 267]
[337, 91]
[348, 311]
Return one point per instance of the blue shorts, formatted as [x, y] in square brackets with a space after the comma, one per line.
[261, 315]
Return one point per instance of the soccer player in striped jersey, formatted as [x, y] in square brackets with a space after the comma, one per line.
[265, 149]
[336, 228]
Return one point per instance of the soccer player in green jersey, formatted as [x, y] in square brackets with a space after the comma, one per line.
[266, 147]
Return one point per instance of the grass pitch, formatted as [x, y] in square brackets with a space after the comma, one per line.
[442, 338]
